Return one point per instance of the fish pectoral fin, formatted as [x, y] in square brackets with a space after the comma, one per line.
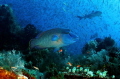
[55, 38]
[56, 49]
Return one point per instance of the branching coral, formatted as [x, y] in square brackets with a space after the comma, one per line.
[107, 43]
[90, 46]
[99, 59]
[99, 56]
[105, 57]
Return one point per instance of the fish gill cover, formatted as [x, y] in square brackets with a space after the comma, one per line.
[95, 22]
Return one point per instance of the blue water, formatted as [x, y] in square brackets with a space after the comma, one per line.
[48, 14]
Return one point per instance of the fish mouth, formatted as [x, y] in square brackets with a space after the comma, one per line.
[75, 37]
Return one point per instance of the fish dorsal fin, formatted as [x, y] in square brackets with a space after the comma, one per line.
[55, 38]
[39, 35]
[66, 31]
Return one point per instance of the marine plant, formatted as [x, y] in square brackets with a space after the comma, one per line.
[47, 61]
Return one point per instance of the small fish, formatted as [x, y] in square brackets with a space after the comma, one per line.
[91, 15]
[1, 67]
[36, 68]
[14, 67]
[70, 64]
[60, 51]
[88, 52]
[78, 65]
[56, 38]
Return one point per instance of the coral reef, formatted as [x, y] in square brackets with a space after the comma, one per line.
[12, 35]
[98, 44]
[99, 58]
[8, 28]
[107, 43]
[11, 59]
[102, 55]
[4, 74]
[13, 65]
[29, 32]
[90, 46]
[47, 61]
[84, 72]
[7, 21]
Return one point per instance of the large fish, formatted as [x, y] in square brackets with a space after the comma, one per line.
[91, 15]
[56, 38]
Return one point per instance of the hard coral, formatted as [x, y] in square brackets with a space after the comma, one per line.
[109, 41]
[4, 74]
[9, 29]
[90, 46]
[28, 75]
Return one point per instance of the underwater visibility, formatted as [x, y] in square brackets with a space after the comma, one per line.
[59, 39]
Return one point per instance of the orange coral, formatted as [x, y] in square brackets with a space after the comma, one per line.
[4, 74]
[28, 75]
